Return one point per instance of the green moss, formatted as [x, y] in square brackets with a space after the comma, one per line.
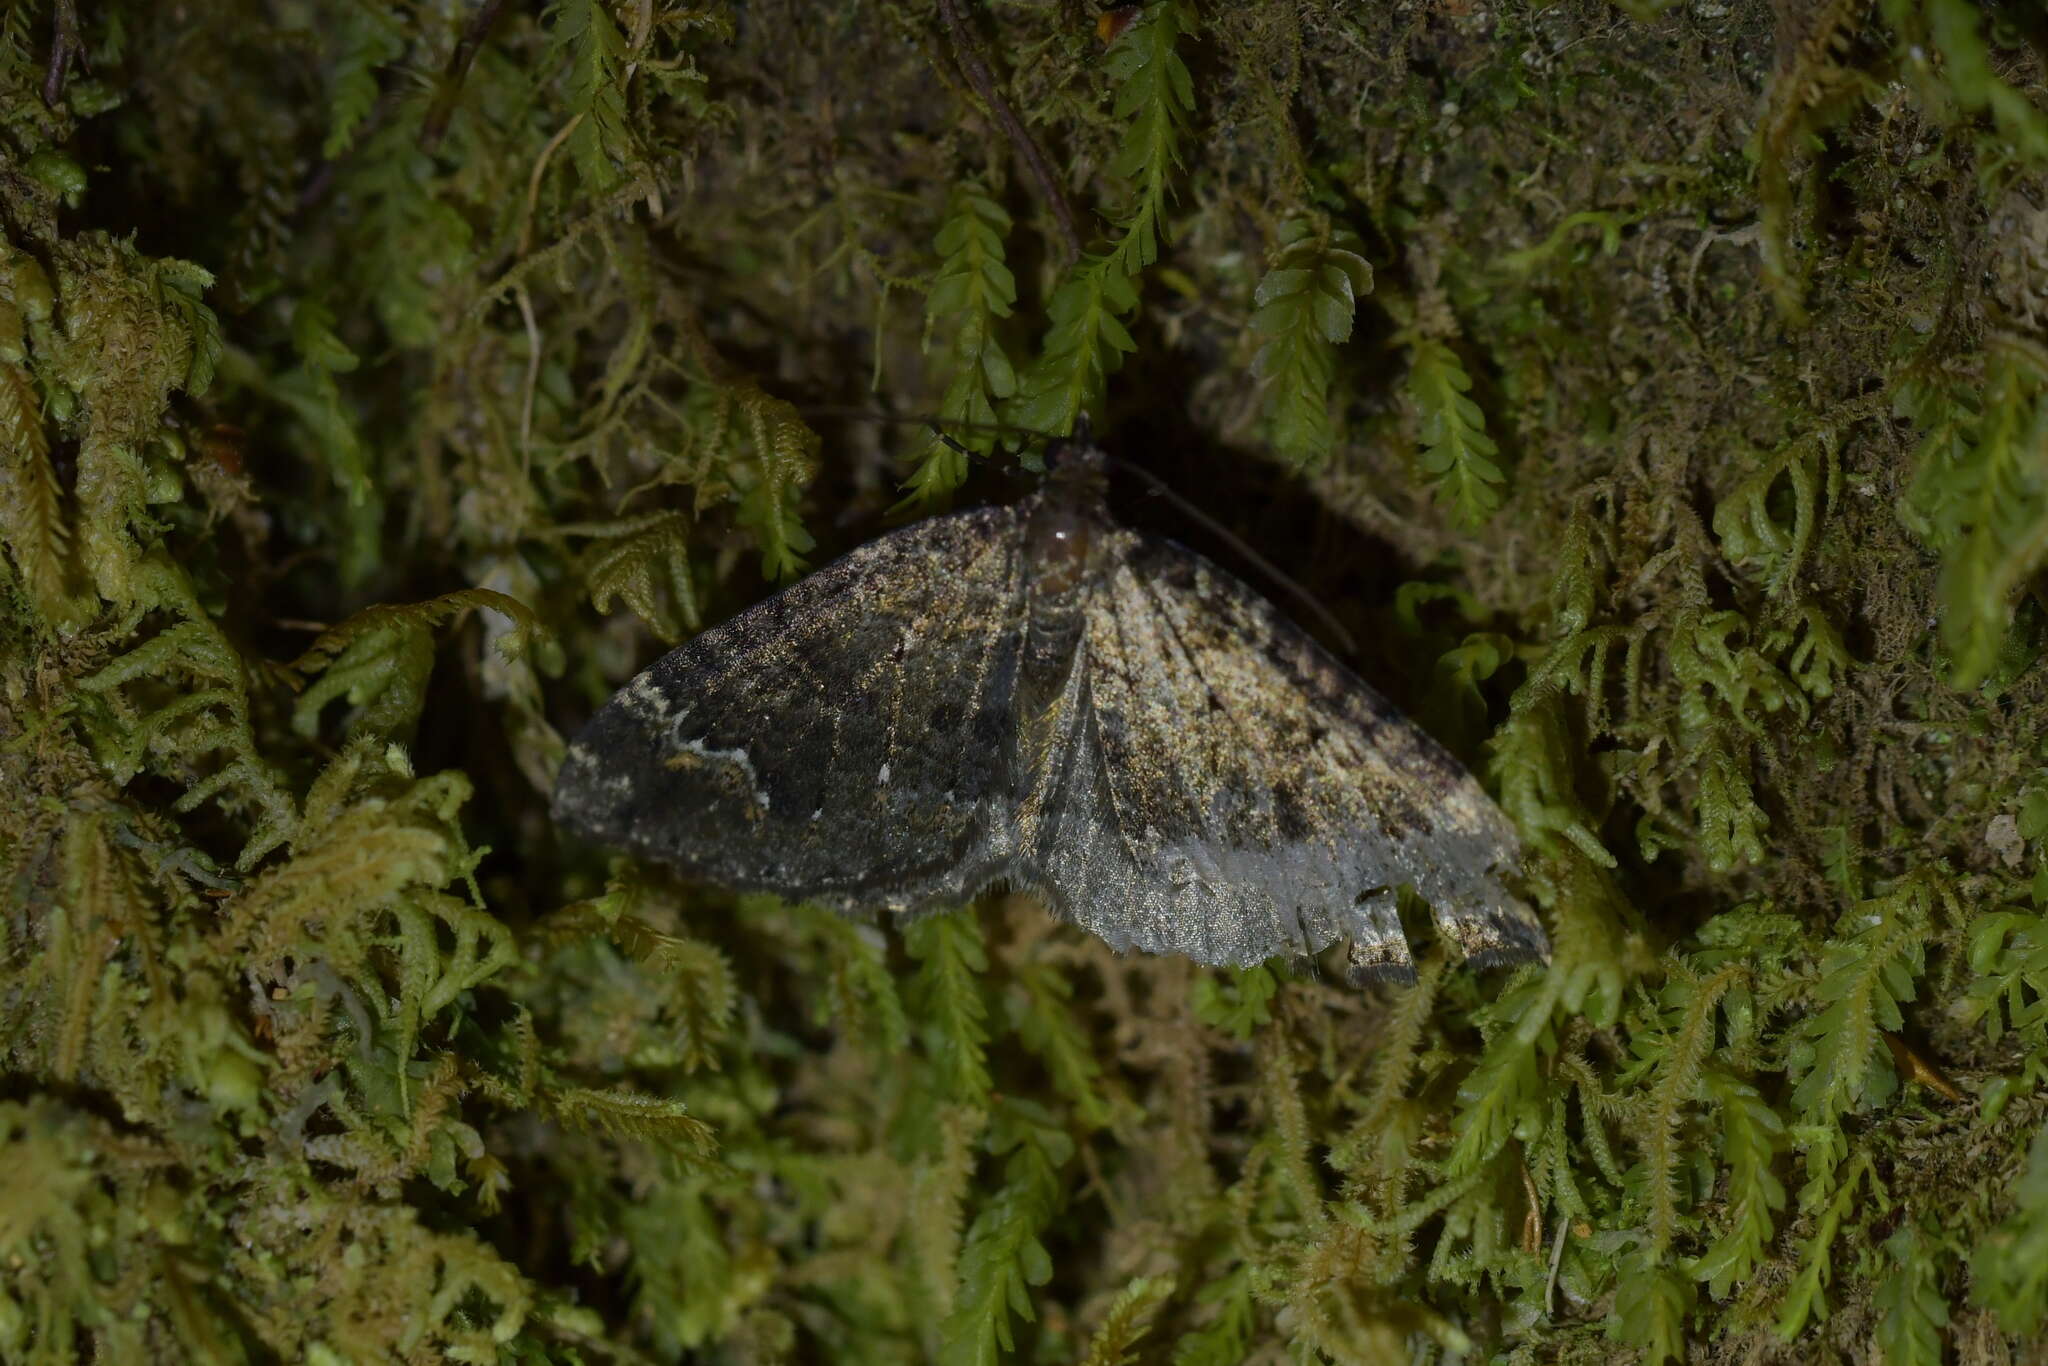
[1668, 379]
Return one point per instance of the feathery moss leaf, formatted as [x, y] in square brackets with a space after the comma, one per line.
[1840, 1058]
[1651, 1306]
[1043, 1013]
[1154, 102]
[1003, 1257]
[644, 562]
[2009, 1270]
[946, 1000]
[626, 1114]
[1237, 1000]
[1085, 344]
[1304, 305]
[1129, 1319]
[1911, 1310]
[1981, 494]
[31, 518]
[1752, 1135]
[1457, 454]
[2008, 988]
[971, 292]
[380, 658]
[369, 39]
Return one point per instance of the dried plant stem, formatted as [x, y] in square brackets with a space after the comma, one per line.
[64, 45]
[474, 35]
[1027, 147]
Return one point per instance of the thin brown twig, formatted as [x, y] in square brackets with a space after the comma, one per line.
[474, 35]
[977, 74]
[64, 45]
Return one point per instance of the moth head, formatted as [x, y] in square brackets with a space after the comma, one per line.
[1076, 460]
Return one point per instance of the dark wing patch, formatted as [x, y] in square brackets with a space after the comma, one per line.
[840, 741]
[1236, 793]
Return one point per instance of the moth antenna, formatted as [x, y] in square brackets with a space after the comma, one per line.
[1265, 566]
[951, 444]
[946, 440]
[1083, 435]
[923, 420]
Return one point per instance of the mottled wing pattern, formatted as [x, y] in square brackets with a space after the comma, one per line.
[840, 742]
[1237, 793]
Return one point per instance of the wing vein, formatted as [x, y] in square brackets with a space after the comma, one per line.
[1194, 670]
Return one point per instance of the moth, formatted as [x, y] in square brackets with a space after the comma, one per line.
[1037, 696]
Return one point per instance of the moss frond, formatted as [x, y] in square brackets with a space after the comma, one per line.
[946, 1001]
[1003, 1257]
[643, 562]
[1304, 304]
[1806, 1298]
[1681, 1057]
[972, 291]
[2009, 1272]
[1085, 344]
[1752, 1136]
[380, 658]
[1912, 1311]
[1129, 1320]
[1865, 977]
[1651, 1306]
[1154, 101]
[1983, 494]
[1457, 454]
[31, 519]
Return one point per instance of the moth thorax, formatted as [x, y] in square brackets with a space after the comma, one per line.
[1061, 540]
